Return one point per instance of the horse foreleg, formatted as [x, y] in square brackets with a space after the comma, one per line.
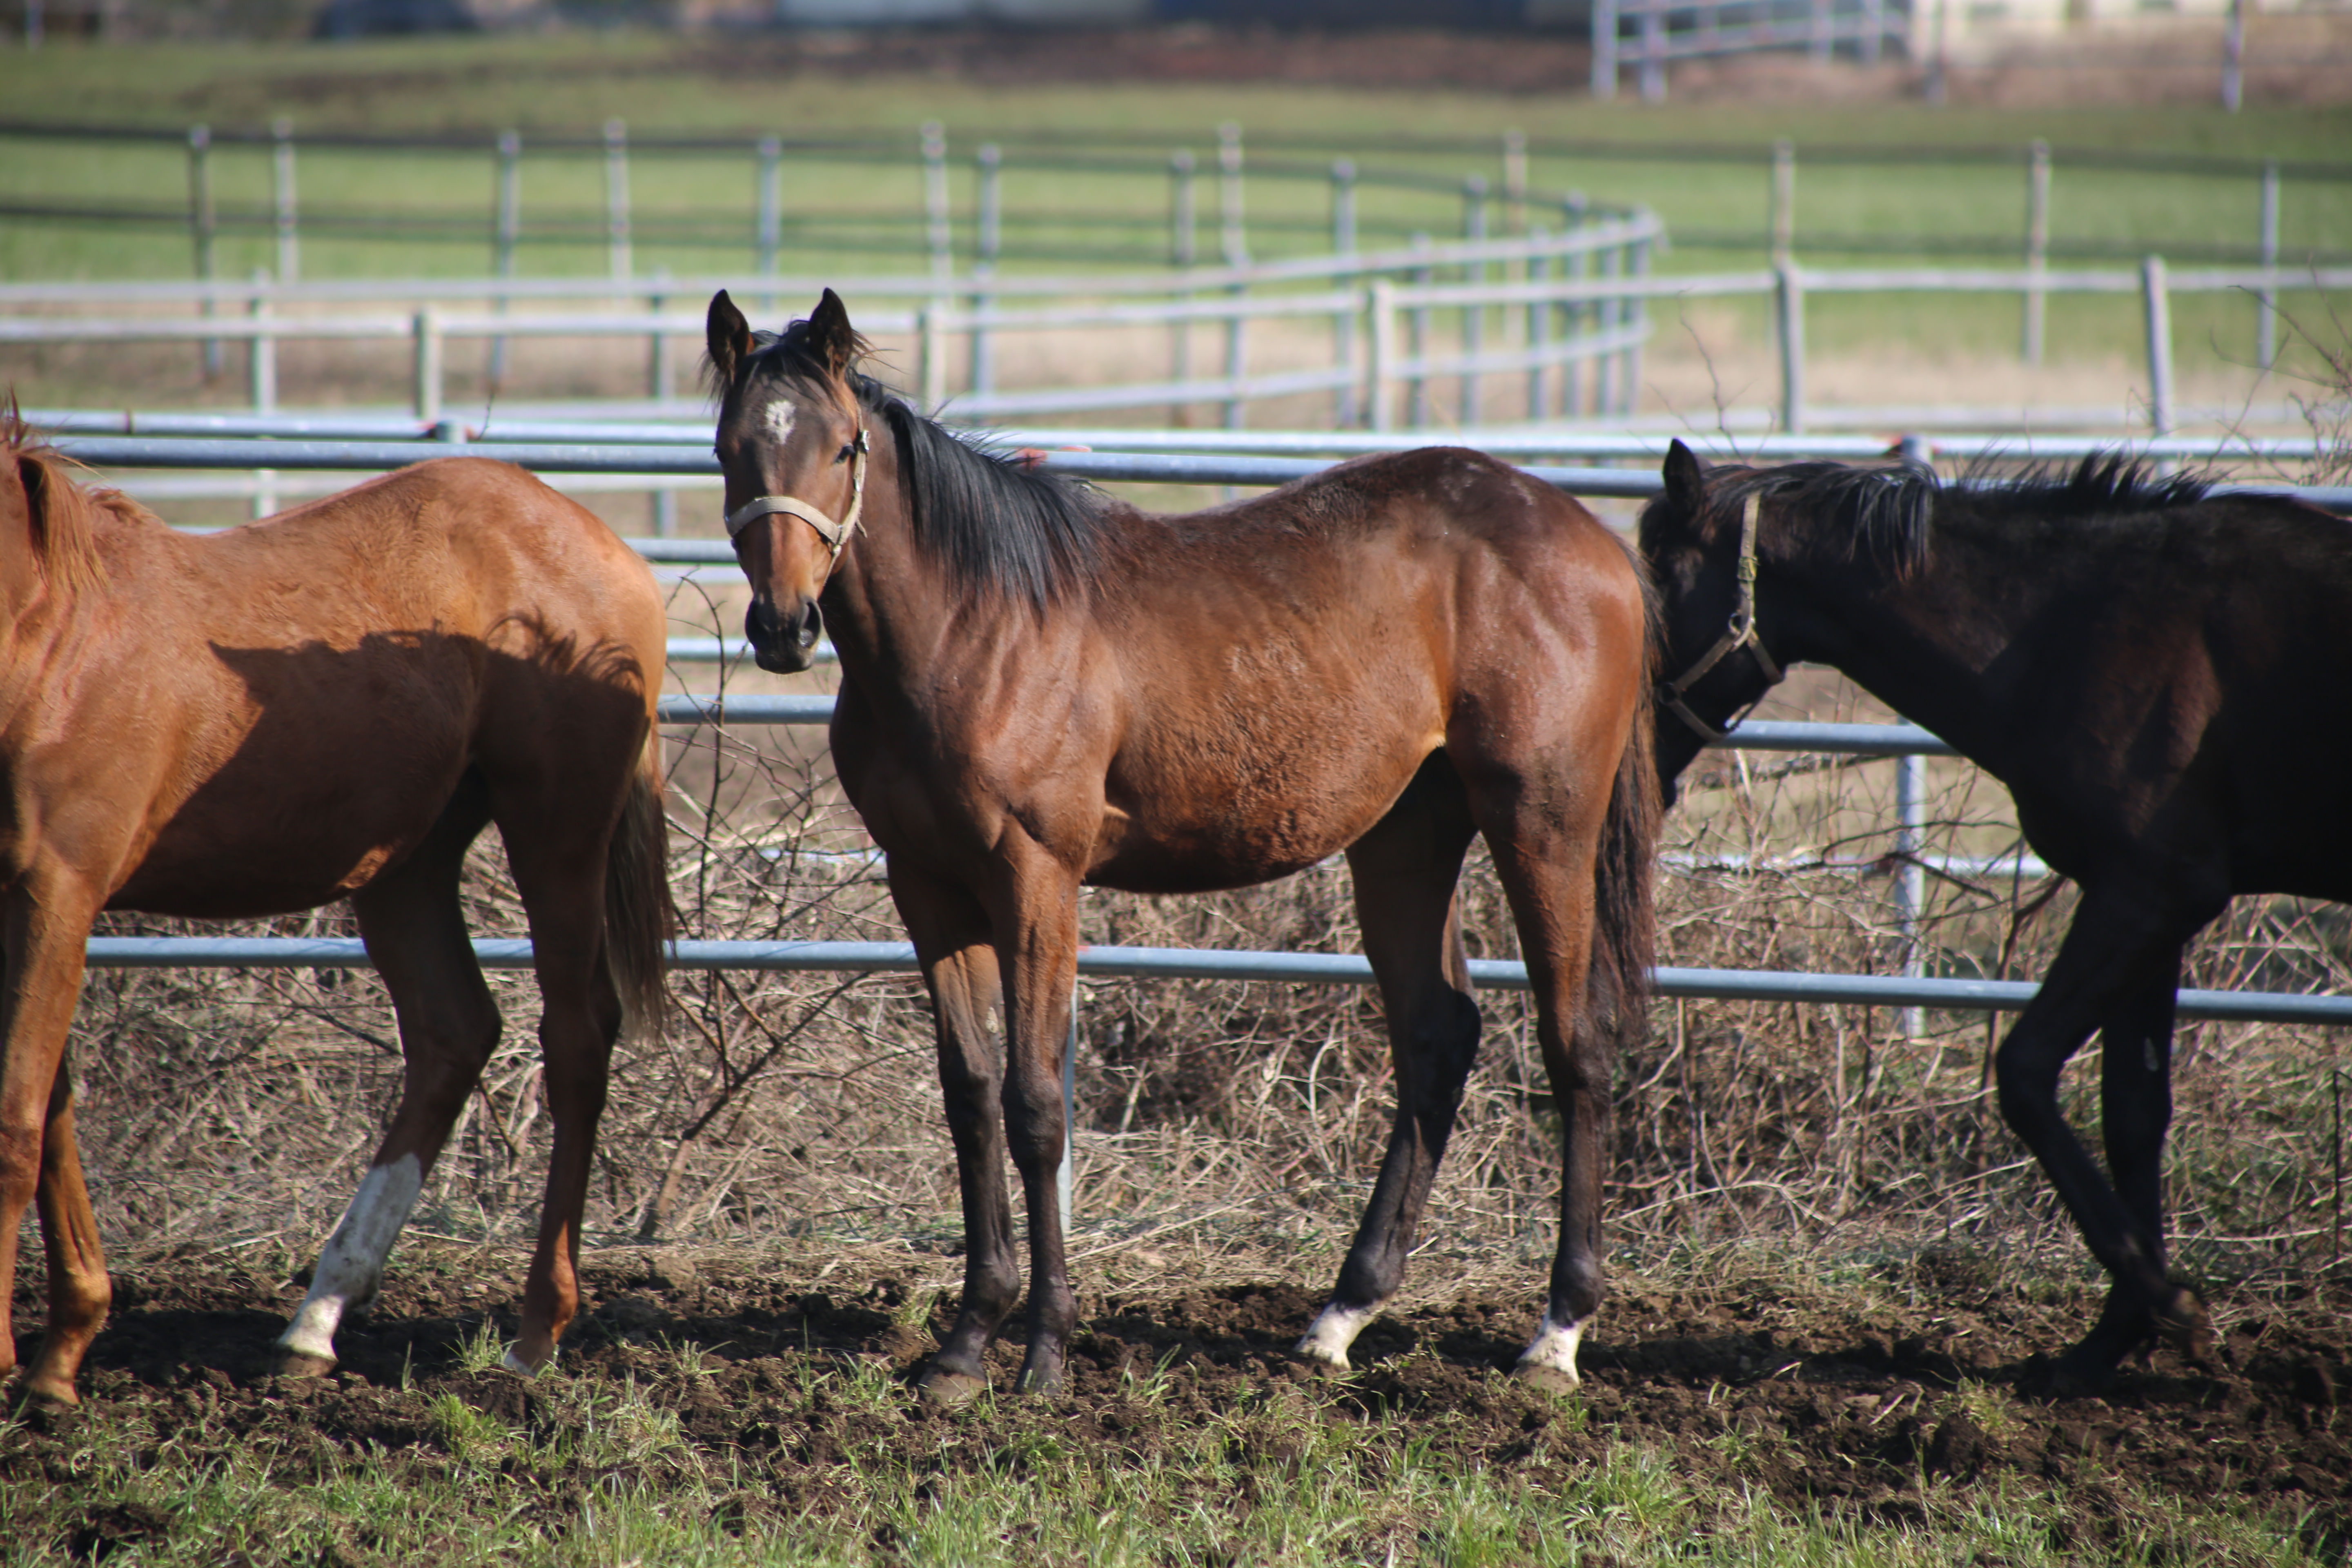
[951, 940]
[1040, 971]
[2117, 969]
[2136, 1111]
[1405, 871]
[45, 937]
[79, 1292]
[416, 939]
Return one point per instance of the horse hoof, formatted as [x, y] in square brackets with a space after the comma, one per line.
[951, 1388]
[1046, 1381]
[1552, 1380]
[2186, 1325]
[516, 1364]
[292, 1363]
[46, 1396]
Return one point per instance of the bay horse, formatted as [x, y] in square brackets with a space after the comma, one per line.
[329, 704]
[1042, 687]
[2161, 677]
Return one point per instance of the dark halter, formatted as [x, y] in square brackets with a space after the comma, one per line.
[1739, 634]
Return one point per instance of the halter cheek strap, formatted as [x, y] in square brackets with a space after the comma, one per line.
[835, 534]
[1739, 634]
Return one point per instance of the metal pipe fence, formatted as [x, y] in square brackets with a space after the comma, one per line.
[1908, 991]
[1384, 387]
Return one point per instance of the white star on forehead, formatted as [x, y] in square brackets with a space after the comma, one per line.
[781, 414]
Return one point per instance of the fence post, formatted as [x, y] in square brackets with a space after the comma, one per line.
[989, 160]
[1783, 213]
[1634, 315]
[1345, 412]
[1910, 877]
[424, 334]
[1380, 305]
[2037, 248]
[1416, 406]
[931, 353]
[1604, 49]
[1654, 53]
[1538, 331]
[2158, 301]
[507, 233]
[769, 242]
[1514, 180]
[1606, 318]
[201, 227]
[1790, 295]
[281, 190]
[1578, 315]
[261, 363]
[1234, 233]
[2234, 56]
[658, 379]
[261, 377]
[938, 237]
[1183, 214]
[1873, 27]
[1818, 38]
[1237, 360]
[617, 199]
[2266, 299]
[1474, 317]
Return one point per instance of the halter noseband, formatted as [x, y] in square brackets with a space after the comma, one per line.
[1741, 633]
[835, 534]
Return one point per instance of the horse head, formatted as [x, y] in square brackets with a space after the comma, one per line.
[1712, 664]
[791, 444]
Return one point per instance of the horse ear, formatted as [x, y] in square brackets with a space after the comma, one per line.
[728, 337]
[1685, 478]
[831, 337]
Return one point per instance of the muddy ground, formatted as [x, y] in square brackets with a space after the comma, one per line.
[1851, 1396]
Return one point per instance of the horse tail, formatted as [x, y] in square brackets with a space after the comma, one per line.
[1625, 927]
[639, 914]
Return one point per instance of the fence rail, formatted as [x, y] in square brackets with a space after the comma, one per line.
[1382, 358]
[1906, 741]
[1212, 964]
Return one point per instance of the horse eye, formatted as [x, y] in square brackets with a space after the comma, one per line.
[843, 455]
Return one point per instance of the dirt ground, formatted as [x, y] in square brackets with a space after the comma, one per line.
[1852, 1396]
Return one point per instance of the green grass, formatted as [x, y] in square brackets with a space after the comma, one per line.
[851, 216]
[607, 1478]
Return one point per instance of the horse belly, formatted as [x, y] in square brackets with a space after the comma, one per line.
[1199, 830]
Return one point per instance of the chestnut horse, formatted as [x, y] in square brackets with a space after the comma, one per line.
[2163, 679]
[330, 704]
[1042, 687]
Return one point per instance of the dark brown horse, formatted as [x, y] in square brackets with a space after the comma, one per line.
[331, 704]
[2162, 678]
[1040, 688]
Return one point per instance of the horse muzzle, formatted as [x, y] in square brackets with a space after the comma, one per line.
[783, 642]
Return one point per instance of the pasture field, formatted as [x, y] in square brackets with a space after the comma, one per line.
[844, 218]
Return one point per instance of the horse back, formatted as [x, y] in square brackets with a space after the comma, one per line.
[263, 719]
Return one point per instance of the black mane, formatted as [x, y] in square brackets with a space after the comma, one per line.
[995, 524]
[1888, 514]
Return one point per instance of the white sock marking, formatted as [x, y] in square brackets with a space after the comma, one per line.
[1335, 1330]
[514, 1363]
[352, 1260]
[1555, 1349]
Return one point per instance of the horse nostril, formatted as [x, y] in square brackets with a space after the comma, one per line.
[811, 622]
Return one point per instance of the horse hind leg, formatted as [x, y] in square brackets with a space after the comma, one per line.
[416, 936]
[80, 1292]
[1405, 872]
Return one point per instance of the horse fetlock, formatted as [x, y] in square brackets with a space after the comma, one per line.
[514, 1361]
[947, 1386]
[1334, 1330]
[2185, 1323]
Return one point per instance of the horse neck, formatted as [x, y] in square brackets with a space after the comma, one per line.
[888, 608]
[1928, 642]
